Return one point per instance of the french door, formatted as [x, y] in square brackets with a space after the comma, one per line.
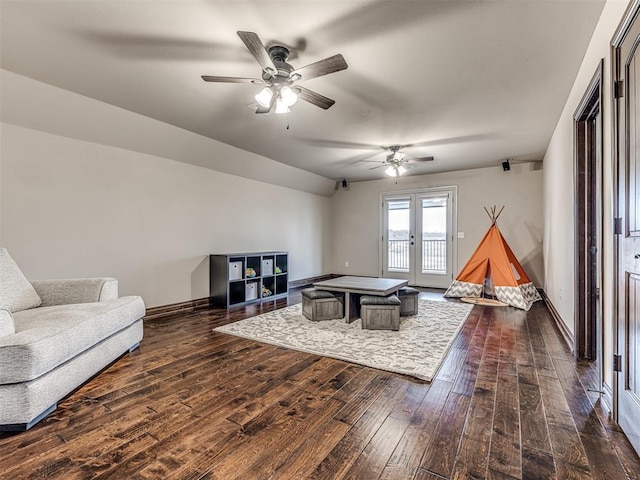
[418, 243]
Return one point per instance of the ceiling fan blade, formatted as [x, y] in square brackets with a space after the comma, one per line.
[322, 67]
[364, 159]
[338, 144]
[379, 166]
[421, 159]
[397, 148]
[212, 78]
[313, 97]
[259, 52]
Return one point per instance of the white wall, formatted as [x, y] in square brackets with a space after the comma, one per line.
[559, 188]
[356, 215]
[74, 208]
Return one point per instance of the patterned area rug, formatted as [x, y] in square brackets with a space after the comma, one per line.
[417, 349]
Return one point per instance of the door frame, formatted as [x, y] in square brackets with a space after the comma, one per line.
[421, 191]
[588, 188]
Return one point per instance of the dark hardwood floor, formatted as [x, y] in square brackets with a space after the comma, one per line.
[190, 403]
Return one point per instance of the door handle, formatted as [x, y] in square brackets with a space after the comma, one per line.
[637, 256]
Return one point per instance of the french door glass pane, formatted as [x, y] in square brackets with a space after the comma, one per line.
[399, 222]
[434, 235]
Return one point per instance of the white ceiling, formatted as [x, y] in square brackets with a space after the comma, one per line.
[469, 82]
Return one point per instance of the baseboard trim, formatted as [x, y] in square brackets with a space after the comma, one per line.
[172, 309]
[607, 397]
[175, 309]
[564, 331]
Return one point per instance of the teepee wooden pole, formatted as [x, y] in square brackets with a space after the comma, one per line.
[492, 213]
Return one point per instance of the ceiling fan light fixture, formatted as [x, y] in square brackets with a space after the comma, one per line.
[264, 96]
[281, 107]
[395, 170]
[288, 96]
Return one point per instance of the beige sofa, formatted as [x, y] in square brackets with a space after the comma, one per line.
[54, 336]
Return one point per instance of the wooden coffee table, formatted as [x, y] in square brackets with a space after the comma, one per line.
[359, 286]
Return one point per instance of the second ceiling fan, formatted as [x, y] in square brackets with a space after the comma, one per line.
[397, 162]
[278, 76]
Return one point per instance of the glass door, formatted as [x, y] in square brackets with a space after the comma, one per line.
[434, 224]
[418, 243]
[398, 238]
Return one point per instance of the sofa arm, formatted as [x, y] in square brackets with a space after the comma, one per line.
[7, 327]
[76, 290]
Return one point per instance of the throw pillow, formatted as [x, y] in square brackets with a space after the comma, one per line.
[16, 293]
[7, 327]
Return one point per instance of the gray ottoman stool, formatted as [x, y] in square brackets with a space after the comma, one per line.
[322, 305]
[380, 313]
[408, 301]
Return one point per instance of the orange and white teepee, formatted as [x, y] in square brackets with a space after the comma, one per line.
[494, 263]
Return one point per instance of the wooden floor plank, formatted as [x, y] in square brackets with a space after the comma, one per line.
[537, 465]
[375, 455]
[405, 460]
[346, 452]
[602, 457]
[568, 447]
[506, 447]
[442, 454]
[278, 454]
[628, 459]
[473, 452]
[535, 434]
[305, 459]
[580, 404]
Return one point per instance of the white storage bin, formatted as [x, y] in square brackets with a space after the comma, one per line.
[252, 291]
[235, 270]
[267, 266]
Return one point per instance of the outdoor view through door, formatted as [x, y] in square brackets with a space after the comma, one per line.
[417, 240]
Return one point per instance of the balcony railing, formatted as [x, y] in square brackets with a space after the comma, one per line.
[398, 258]
[434, 256]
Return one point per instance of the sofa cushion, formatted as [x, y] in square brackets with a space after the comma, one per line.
[6, 323]
[49, 336]
[16, 293]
